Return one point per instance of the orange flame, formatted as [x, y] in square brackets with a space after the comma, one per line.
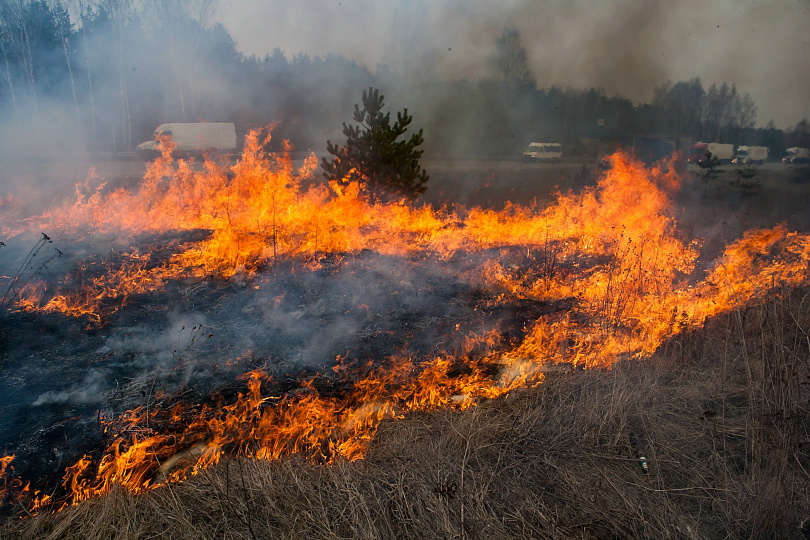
[611, 250]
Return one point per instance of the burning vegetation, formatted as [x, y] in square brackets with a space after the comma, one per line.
[420, 309]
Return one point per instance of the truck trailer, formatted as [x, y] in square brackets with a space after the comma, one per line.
[750, 154]
[723, 152]
[193, 138]
[794, 154]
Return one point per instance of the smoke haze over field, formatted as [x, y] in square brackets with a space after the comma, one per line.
[479, 77]
[624, 47]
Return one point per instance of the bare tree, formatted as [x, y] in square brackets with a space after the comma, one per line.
[728, 99]
[747, 111]
[120, 12]
[716, 109]
[6, 37]
[183, 23]
[83, 7]
[17, 16]
[680, 105]
[510, 60]
[59, 10]
[725, 106]
[407, 54]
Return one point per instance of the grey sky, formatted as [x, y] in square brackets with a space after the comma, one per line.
[622, 46]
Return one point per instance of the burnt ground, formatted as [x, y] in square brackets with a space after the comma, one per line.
[59, 375]
[705, 439]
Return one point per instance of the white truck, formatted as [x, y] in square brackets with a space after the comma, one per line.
[796, 155]
[539, 151]
[750, 154]
[723, 152]
[192, 138]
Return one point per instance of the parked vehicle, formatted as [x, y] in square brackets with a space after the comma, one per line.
[539, 151]
[723, 152]
[796, 155]
[193, 138]
[750, 154]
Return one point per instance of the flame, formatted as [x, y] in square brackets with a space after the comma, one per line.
[258, 213]
[611, 251]
[11, 488]
[5, 468]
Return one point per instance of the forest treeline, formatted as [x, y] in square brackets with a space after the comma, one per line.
[100, 75]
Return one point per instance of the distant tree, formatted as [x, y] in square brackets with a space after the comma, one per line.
[798, 135]
[83, 9]
[17, 17]
[803, 126]
[407, 49]
[29, 35]
[6, 50]
[372, 155]
[680, 105]
[712, 109]
[120, 13]
[60, 14]
[510, 60]
[745, 181]
[725, 107]
[183, 24]
[747, 111]
[709, 165]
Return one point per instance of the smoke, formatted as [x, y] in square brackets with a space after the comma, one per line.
[196, 338]
[621, 46]
[89, 391]
[53, 128]
[148, 346]
[175, 70]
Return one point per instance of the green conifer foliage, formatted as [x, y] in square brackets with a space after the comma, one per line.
[374, 157]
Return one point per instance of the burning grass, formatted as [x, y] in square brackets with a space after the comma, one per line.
[719, 412]
[598, 278]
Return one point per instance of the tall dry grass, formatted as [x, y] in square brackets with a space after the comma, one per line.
[719, 413]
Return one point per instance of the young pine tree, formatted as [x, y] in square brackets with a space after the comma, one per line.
[372, 156]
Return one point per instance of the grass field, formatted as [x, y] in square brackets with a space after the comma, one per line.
[707, 439]
[719, 416]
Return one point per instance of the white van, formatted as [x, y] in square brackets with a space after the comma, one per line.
[193, 138]
[539, 151]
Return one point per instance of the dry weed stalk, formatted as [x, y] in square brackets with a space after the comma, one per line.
[27, 271]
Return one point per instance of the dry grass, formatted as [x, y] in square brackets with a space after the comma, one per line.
[720, 413]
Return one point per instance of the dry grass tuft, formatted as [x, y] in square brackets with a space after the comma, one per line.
[720, 414]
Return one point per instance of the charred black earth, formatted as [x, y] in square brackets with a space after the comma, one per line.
[62, 376]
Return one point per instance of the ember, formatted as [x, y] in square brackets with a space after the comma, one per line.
[422, 309]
